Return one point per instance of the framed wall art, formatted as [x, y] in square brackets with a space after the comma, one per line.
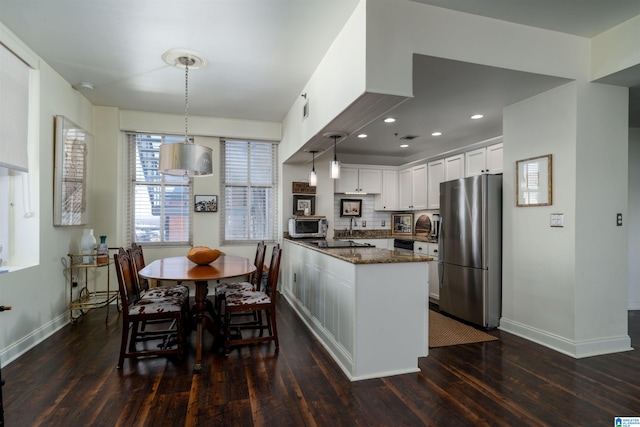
[71, 174]
[304, 205]
[205, 203]
[402, 224]
[350, 207]
[533, 181]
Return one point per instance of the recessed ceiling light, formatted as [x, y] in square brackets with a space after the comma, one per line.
[83, 85]
[436, 134]
[477, 116]
[404, 145]
[389, 120]
[362, 135]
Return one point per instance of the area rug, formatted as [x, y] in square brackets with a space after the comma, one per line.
[445, 331]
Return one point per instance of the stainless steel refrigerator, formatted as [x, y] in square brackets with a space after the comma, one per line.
[470, 249]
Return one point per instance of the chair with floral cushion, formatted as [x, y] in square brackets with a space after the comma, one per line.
[252, 285]
[137, 257]
[159, 292]
[136, 311]
[245, 301]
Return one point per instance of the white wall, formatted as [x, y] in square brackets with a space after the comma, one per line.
[538, 261]
[398, 29]
[601, 192]
[39, 294]
[559, 288]
[633, 220]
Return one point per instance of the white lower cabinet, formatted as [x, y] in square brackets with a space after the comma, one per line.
[369, 330]
[430, 249]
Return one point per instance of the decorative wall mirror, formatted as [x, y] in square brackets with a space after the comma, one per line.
[533, 181]
[70, 173]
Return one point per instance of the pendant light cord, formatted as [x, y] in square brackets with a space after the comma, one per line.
[187, 62]
[186, 100]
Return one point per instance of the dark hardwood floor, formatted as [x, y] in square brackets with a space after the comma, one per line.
[71, 380]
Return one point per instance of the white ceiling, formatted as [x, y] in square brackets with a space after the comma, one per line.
[262, 52]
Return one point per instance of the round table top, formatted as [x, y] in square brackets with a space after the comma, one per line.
[181, 269]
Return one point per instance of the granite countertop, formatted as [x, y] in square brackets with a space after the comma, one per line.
[368, 255]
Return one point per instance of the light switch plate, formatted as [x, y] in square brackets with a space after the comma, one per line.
[557, 220]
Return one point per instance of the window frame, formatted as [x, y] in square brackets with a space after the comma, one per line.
[271, 213]
[164, 182]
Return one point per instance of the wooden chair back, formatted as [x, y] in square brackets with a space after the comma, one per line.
[137, 258]
[274, 271]
[126, 279]
[256, 277]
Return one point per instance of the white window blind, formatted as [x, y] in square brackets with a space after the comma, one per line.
[249, 176]
[14, 110]
[160, 206]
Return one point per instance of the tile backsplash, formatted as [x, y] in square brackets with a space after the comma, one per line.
[374, 220]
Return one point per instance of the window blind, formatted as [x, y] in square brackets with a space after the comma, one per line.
[14, 110]
[159, 206]
[249, 202]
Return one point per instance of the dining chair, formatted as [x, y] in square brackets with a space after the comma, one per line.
[250, 301]
[253, 284]
[135, 311]
[142, 284]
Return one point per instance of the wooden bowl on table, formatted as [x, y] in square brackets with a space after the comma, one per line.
[203, 255]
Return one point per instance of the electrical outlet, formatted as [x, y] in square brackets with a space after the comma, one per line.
[364, 224]
[619, 220]
[383, 223]
[294, 277]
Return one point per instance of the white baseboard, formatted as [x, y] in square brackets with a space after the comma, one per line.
[17, 349]
[634, 305]
[576, 349]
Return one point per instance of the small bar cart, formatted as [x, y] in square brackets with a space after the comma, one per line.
[87, 299]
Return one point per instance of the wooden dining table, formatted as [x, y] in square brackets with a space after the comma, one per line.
[180, 269]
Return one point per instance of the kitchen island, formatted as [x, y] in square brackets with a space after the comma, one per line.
[368, 306]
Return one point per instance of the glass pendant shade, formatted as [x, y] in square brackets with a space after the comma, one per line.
[313, 178]
[335, 169]
[335, 164]
[185, 159]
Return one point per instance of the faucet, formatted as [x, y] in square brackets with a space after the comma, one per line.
[352, 222]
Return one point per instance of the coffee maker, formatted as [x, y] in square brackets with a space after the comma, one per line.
[435, 226]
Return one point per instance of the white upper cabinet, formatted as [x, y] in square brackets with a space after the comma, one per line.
[494, 159]
[412, 188]
[475, 162]
[387, 200]
[435, 172]
[454, 167]
[484, 160]
[359, 179]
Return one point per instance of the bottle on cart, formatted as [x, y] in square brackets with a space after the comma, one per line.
[103, 251]
[88, 245]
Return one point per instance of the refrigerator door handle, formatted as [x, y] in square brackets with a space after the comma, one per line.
[441, 274]
[441, 235]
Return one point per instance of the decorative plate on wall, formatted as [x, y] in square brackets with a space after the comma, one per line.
[423, 226]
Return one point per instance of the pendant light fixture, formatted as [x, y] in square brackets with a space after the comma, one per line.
[335, 164]
[185, 158]
[313, 177]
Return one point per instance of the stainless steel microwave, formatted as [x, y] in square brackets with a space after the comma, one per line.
[301, 227]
